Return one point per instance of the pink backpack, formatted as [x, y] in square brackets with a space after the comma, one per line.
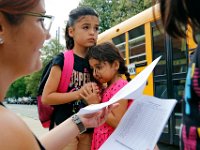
[45, 111]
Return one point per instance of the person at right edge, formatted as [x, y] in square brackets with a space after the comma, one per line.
[175, 16]
[80, 34]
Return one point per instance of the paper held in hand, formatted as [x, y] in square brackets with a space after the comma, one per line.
[132, 90]
[143, 123]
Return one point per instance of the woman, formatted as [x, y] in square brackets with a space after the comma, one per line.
[176, 15]
[22, 34]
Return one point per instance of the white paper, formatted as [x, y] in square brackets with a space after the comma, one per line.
[132, 90]
[142, 124]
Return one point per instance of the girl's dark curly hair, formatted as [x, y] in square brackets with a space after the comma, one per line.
[110, 53]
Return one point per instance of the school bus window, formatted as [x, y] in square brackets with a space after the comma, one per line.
[159, 50]
[179, 55]
[121, 48]
[137, 45]
[161, 89]
[197, 36]
[137, 32]
[119, 41]
[178, 90]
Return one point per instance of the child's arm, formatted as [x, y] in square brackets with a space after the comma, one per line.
[50, 95]
[115, 116]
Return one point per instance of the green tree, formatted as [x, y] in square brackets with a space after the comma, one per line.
[32, 82]
[113, 12]
[52, 48]
[17, 89]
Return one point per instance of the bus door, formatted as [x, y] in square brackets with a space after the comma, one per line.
[169, 78]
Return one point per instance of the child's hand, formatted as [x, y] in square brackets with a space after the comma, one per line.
[90, 93]
[92, 98]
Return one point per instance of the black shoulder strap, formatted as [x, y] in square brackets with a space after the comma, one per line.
[40, 145]
[2, 104]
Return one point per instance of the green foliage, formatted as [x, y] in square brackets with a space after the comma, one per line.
[50, 49]
[112, 12]
[32, 82]
[17, 89]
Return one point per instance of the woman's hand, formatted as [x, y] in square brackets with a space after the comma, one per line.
[98, 118]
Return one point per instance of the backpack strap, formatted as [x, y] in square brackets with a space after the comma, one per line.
[67, 71]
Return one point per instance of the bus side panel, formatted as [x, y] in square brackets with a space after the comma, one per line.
[148, 38]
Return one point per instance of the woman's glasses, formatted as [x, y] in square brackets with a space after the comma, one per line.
[46, 20]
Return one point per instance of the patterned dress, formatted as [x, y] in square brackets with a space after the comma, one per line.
[102, 132]
[190, 132]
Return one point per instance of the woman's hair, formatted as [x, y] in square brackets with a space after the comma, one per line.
[176, 14]
[110, 53]
[13, 10]
[74, 15]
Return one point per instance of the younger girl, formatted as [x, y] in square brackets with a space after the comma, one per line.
[81, 33]
[108, 67]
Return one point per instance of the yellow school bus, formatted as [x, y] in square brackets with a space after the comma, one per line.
[141, 40]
